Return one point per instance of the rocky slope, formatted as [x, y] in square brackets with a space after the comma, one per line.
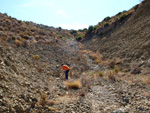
[31, 54]
[127, 40]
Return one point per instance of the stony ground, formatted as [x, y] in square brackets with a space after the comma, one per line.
[33, 85]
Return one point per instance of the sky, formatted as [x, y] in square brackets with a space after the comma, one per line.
[67, 14]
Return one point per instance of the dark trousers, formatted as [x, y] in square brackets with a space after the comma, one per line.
[66, 74]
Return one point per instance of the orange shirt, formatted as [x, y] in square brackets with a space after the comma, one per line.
[65, 67]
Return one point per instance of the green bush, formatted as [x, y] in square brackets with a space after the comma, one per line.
[59, 28]
[90, 29]
[116, 69]
[119, 13]
[73, 32]
[106, 24]
[13, 38]
[107, 18]
[122, 16]
[79, 38]
[36, 57]
[95, 27]
[60, 36]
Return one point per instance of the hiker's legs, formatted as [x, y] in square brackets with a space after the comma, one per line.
[67, 74]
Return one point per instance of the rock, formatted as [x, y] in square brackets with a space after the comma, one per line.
[28, 110]
[126, 100]
[142, 108]
[117, 111]
[136, 71]
[1, 95]
[2, 103]
[146, 45]
[7, 63]
[14, 68]
[19, 108]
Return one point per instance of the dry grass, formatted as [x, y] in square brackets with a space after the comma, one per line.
[94, 55]
[18, 42]
[44, 101]
[111, 76]
[111, 63]
[145, 80]
[39, 69]
[73, 85]
[147, 95]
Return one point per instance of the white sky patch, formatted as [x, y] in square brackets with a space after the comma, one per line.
[37, 4]
[63, 13]
[74, 26]
[26, 5]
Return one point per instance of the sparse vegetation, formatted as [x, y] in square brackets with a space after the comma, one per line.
[106, 24]
[36, 57]
[111, 76]
[116, 69]
[100, 73]
[122, 16]
[95, 27]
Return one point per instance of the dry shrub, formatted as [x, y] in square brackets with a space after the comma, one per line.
[93, 55]
[147, 95]
[39, 69]
[43, 99]
[98, 61]
[112, 63]
[36, 57]
[145, 80]
[51, 102]
[26, 43]
[18, 42]
[111, 76]
[73, 85]
[104, 38]
[100, 73]
[116, 69]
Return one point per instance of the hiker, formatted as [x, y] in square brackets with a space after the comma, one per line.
[66, 68]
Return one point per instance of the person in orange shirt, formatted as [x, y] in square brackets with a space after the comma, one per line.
[66, 68]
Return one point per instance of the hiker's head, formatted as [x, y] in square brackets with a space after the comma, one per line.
[62, 64]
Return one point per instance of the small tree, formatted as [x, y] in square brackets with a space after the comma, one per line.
[90, 29]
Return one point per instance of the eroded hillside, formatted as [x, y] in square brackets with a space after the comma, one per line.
[126, 39]
[109, 67]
